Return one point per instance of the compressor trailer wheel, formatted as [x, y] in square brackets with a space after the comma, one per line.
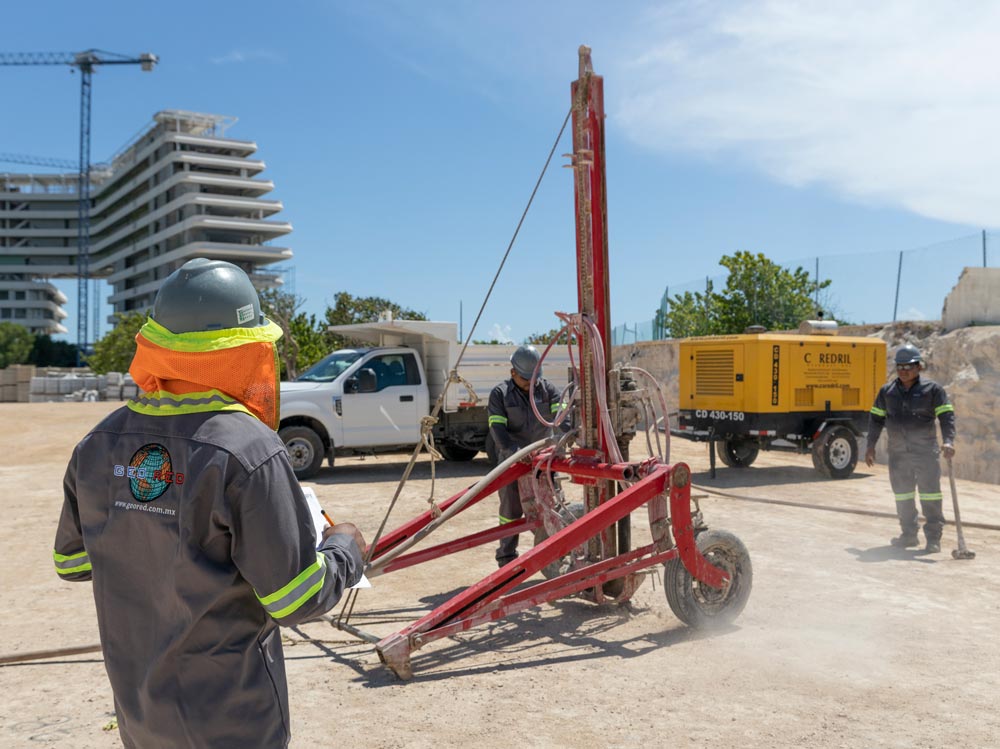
[702, 606]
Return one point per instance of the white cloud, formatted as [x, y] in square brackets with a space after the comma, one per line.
[912, 314]
[237, 56]
[500, 333]
[890, 103]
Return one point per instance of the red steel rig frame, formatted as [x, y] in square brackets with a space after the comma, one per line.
[587, 551]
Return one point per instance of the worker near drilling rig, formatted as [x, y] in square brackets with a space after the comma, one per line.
[907, 407]
[513, 425]
[183, 509]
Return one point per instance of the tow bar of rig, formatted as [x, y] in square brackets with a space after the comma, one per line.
[588, 551]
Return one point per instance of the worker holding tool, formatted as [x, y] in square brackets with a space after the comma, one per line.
[183, 509]
[513, 425]
[907, 408]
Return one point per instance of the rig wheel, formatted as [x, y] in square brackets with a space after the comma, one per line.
[702, 606]
[737, 453]
[835, 452]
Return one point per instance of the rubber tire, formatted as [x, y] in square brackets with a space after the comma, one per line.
[737, 453]
[835, 453]
[305, 450]
[457, 454]
[550, 571]
[699, 605]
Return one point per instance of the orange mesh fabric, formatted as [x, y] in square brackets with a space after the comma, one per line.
[246, 372]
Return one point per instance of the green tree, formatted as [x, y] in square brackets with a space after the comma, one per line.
[46, 352]
[348, 310]
[543, 339]
[303, 342]
[15, 344]
[114, 352]
[758, 292]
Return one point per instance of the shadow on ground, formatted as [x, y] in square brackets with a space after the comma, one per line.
[358, 470]
[891, 553]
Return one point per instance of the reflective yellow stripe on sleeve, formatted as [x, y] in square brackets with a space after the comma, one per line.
[878, 411]
[943, 409]
[71, 563]
[497, 419]
[290, 598]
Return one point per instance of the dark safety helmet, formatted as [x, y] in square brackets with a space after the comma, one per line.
[524, 361]
[908, 354]
[205, 295]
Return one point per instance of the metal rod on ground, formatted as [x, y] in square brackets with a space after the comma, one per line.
[41, 655]
[961, 552]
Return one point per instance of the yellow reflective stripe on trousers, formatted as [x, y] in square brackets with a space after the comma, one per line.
[504, 521]
[905, 496]
[68, 564]
[946, 408]
[497, 420]
[291, 597]
[930, 497]
[162, 403]
[878, 411]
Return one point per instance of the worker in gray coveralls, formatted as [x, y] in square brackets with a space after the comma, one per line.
[513, 425]
[183, 509]
[907, 407]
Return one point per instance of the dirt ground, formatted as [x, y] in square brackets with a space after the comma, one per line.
[845, 641]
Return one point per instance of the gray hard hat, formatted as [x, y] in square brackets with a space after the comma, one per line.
[907, 354]
[207, 294]
[524, 361]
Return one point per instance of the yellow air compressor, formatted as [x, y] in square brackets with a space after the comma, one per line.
[809, 391]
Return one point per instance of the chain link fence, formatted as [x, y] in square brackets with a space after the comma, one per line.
[866, 287]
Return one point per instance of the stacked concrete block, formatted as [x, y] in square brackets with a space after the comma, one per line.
[15, 383]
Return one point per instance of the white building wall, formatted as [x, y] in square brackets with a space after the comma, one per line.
[975, 300]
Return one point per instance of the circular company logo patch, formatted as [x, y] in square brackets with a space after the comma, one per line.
[149, 472]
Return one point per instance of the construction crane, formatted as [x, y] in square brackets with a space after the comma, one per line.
[85, 62]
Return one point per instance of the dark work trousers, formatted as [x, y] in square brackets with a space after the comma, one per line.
[908, 472]
[510, 509]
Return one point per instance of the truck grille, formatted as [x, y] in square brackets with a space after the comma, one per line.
[713, 372]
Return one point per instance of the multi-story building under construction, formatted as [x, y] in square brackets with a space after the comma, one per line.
[180, 190]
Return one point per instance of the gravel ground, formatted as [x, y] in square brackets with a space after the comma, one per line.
[845, 641]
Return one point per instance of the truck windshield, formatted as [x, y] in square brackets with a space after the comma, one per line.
[329, 368]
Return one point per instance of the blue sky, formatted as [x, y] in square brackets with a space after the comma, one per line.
[404, 137]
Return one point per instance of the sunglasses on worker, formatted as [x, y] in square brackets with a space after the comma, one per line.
[906, 367]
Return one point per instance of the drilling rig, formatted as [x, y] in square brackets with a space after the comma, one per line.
[588, 552]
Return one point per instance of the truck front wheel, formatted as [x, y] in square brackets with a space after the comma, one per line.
[835, 452]
[737, 453]
[305, 450]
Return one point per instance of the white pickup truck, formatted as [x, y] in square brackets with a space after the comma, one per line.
[367, 400]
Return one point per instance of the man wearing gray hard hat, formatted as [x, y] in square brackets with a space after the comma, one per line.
[513, 425]
[907, 408]
[183, 509]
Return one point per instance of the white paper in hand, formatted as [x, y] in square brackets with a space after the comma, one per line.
[319, 523]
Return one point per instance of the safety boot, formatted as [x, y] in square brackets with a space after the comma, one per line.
[933, 547]
[905, 540]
